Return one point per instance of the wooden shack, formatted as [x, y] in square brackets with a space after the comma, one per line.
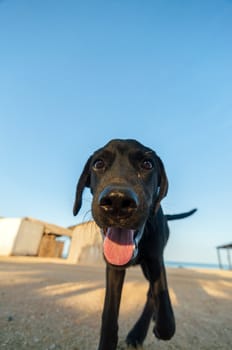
[31, 237]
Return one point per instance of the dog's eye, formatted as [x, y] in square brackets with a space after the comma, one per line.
[147, 164]
[99, 164]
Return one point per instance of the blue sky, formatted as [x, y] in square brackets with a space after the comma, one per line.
[75, 74]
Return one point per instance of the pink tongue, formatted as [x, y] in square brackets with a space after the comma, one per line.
[118, 246]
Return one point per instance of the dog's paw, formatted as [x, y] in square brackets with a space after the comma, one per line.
[164, 333]
[133, 343]
[126, 346]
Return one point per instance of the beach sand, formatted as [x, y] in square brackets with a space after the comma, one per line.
[47, 304]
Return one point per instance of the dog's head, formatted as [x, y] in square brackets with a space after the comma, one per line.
[127, 181]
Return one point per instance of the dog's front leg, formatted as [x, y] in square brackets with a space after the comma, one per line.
[109, 328]
[164, 317]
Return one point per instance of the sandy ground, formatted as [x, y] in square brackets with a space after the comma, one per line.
[50, 305]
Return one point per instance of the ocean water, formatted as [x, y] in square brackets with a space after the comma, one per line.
[181, 264]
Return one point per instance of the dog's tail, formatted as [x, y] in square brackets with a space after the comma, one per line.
[180, 216]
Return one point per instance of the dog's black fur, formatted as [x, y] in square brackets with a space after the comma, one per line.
[128, 181]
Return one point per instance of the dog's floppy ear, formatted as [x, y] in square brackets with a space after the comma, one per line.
[84, 181]
[162, 183]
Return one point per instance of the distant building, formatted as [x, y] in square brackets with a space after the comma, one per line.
[228, 248]
[86, 244]
[31, 237]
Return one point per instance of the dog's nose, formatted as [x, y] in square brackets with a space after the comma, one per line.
[118, 201]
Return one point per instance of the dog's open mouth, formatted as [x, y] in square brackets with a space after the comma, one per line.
[119, 245]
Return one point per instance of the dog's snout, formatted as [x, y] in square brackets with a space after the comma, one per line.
[118, 201]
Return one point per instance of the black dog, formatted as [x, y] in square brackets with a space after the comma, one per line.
[128, 181]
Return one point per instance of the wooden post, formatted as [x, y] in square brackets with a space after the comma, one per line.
[219, 258]
[228, 257]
